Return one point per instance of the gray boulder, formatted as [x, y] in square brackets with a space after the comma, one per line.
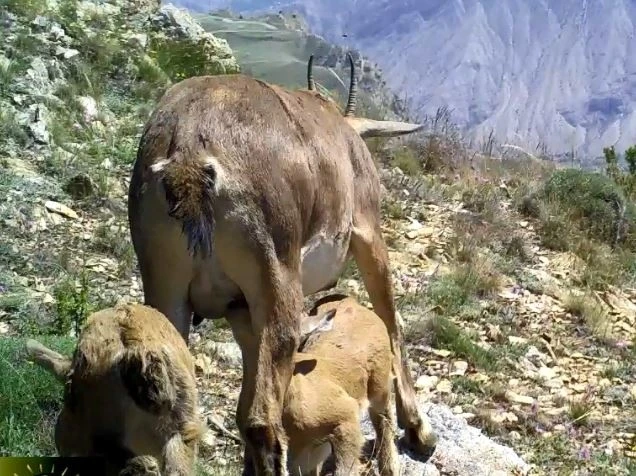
[461, 449]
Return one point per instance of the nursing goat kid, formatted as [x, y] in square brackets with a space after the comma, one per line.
[343, 367]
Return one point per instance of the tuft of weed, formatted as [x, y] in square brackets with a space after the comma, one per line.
[73, 304]
[483, 199]
[405, 158]
[585, 307]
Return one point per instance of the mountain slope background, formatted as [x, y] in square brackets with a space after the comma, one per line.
[558, 74]
[276, 48]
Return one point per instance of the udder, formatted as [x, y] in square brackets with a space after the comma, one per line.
[323, 259]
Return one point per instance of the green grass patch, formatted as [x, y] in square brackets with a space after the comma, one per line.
[452, 292]
[28, 9]
[447, 335]
[31, 398]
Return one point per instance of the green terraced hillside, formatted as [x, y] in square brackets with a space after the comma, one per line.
[276, 49]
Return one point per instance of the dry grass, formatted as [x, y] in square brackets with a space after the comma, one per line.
[589, 311]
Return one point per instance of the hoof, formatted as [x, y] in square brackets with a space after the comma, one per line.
[196, 319]
[422, 447]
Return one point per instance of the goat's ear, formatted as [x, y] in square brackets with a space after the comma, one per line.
[311, 326]
[319, 323]
[316, 324]
[325, 324]
[50, 360]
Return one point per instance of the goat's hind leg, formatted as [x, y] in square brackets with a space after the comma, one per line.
[371, 256]
[347, 442]
[273, 291]
[386, 451]
[346, 439]
[166, 267]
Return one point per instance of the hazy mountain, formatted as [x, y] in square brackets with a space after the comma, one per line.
[561, 72]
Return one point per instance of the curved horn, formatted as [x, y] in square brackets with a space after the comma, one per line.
[353, 89]
[311, 85]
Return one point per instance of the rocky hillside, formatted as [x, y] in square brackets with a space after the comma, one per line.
[516, 281]
[558, 72]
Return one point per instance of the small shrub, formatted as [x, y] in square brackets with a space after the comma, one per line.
[590, 199]
[626, 180]
[478, 278]
[8, 71]
[10, 130]
[529, 206]
[25, 8]
[579, 411]
[72, 305]
[463, 384]
[515, 248]
[483, 199]
[603, 267]
[457, 289]
[447, 295]
[181, 59]
[27, 45]
[557, 233]
[393, 209]
[406, 160]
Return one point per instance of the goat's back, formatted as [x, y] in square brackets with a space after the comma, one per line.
[110, 333]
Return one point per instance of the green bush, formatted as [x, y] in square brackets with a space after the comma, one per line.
[181, 59]
[25, 8]
[72, 304]
[591, 200]
[627, 181]
[407, 161]
[10, 130]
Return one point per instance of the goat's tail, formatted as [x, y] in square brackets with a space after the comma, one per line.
[189, 181]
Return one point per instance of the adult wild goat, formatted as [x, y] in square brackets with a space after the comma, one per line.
[243, 191]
